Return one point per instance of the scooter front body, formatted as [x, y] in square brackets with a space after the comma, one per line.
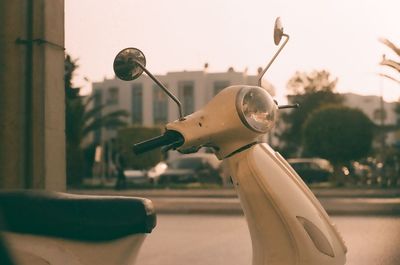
[287, 223]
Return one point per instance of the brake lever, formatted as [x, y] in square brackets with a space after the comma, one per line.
[190, 150]
[172, 146]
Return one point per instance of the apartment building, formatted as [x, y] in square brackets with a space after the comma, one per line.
[148, 105]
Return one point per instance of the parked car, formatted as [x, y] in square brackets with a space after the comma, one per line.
[312, 169]
[199, 167]
[136, 176]
[154, 173]
[362, 173]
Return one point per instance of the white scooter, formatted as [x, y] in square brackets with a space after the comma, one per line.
[287, 223]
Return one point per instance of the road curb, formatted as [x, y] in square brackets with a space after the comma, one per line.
[231, 193]
[334, 206]
[228, 204]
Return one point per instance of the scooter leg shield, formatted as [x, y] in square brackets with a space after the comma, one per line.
[287, 223]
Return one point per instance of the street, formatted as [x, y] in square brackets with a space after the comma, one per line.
[224, 239]
[225, 201]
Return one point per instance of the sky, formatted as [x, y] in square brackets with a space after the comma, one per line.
[339, 36]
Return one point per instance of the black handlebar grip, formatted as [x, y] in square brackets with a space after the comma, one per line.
[168, 138]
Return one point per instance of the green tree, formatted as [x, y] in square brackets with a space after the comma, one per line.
[303, 82]
[312, 91]
[339, 134]
[132, 135]
[80, 120]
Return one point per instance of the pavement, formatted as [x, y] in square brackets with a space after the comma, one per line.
[343, 201]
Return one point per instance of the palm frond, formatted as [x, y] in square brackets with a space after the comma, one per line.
[94, 125]
[391, 45]
[390, 63]
[390, 77]
[93, 113]
[114, 123]
[105, 121]
[117, 114]
[88, 100]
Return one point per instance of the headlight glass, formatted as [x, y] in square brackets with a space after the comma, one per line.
[256, 108]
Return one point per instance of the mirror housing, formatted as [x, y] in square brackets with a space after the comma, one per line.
[278, 34]
[278, 31]
[129, 63]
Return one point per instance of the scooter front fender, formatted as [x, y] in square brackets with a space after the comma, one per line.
[287, 223]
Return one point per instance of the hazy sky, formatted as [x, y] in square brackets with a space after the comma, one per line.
[340, 36]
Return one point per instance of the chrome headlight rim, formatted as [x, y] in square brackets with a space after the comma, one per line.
[239, 108]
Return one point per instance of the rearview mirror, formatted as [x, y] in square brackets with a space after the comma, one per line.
[278, 31]
[126, 64]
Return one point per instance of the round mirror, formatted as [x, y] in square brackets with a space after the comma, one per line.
[278, 31]
[126, 64]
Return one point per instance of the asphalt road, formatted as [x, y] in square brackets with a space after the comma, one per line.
[224, 239]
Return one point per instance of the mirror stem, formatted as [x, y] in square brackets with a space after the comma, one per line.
[181, 117]
[273, 58]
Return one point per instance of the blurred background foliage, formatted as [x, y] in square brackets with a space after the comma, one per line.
[312, 91]
[132, 135]
[321, 127]
[80, 121]
[339, 134]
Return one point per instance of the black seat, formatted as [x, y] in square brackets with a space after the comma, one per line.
[80, 217]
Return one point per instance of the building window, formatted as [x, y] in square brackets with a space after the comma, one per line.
[219, 85]
[137, 103]
[160, 105]
[112, 98]
[186, 95]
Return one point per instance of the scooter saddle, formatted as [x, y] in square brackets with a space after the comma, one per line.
[78, 217]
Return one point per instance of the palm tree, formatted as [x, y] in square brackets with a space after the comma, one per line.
[80, 121]
[393, 153]
[395, 65]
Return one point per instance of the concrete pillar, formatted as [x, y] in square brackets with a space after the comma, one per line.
[32, 120]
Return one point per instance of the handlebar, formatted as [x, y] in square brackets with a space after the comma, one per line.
[172, 138]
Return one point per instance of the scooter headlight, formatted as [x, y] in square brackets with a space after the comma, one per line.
[256, 108]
